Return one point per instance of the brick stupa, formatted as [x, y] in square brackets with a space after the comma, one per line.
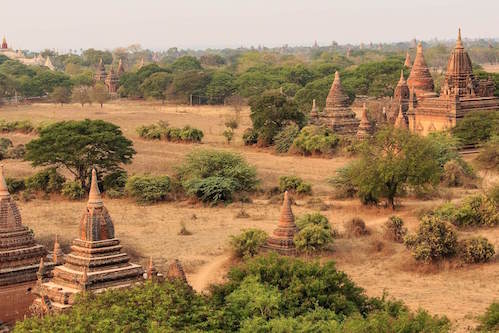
[100, 72]
[281, 240]
[121, 69]
[95, 262]
[365, 130]
[407, 62]
[420, 78]
[337, 113]
[112, 81]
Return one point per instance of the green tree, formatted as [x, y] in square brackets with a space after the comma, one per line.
[81, 95]
[186, 83]
[186, 63]
[477, 127]
[80, 146]
[155, 85]
[221, 86]
[60, 95]
[100, 94]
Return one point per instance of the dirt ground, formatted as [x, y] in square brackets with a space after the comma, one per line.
[375, 264]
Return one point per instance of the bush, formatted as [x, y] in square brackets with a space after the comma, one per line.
[315, 140]
[115, 181]
[477, 127]
[16, 152]
[313, 219]
[394, 229]
[475, 250]
[73, 190]
[434, 240]
[151, 132]
[456, 174]
[22, 126]
[356, 227]
[228, 134]
[148, 189]
[489, 322]
[5, 143]
[161, 131]
[343, 183]
[312, 238]
[48, 181]
[474, 211]
[191, 134]
[488, 157]
[15, 185]
[284, 139]
[493, 195]
[215, 176]
[294, 184]
[250, 136]
[232, 123]
[248, 242]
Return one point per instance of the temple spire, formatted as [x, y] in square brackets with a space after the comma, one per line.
[459, 43]
[407, 62]
[94, 197]
[4, 190]
[401, 76]
[287, 218]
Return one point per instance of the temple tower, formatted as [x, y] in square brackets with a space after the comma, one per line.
[121, 69]
[95, 262]
[407, 62]
[420, 78]
[365, 129]
[100, 72]
[5, 46]
[339, 116]
[112, 81]
[401, 94]
[401, 120]
[281, 240]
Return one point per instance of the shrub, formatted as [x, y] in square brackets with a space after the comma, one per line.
[343, 183]
[15, 185]
[248, 242]
[73, 190]
[250, 136]
[488, 157]
[474, 211]
[115, 181]
[475, 250]
[294, 184]
[48, 180]
[228, 134]
[312, 238]
[315, 140]
[191, 134]
[16, 152]
[394, 229]
[284, 139]
[493, 195]
[232, 123]
[356, 227]
[313, 219]
[434, 240]
[148, 189]
[151, 132]
[161, 130]
[22, 126]
[5, 143]
[489, 322]
[477, 127]
[215, 176]
[456, 174]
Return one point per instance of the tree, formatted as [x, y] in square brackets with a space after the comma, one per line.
[221, 86]
[271, 112]
[155, 85]
[186, 83]
[100, 94]
[477, 127]
[80, 95]
[60, 95]
[80, 146]
[186, 63]
[393, 159]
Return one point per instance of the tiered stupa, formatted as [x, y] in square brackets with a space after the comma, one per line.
[95, 262]
[407, 62]
[401, 94]
[314, 114]
[337, 113]
[420, 78]
[365, 130]
[112, 81]
[100, 72]
[401, 120]
[281, 240]
[461, 94]
[5, 46]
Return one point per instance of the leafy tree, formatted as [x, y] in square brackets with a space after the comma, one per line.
[186, 83]
[477, 127]
[91, 57]
[271, 112]
[212, 60]
[148, 189]
[60, 95]
[155, 85]
[221, 86]
[83, 79]
[248, 242]
[80, 146]
[81, 95]
[130, 85]
[186, 63]
[255, 81]
[100, 94]
[488, 157]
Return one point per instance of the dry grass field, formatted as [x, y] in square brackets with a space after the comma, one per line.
[377, 265]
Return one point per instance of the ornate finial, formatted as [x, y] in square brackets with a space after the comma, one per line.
[336, 76]
[401, 75]
[459, 43]
[57, 255]
[4, 190]
[419, 48]
[94, 197]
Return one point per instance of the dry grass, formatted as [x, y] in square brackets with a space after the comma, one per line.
[374, 263]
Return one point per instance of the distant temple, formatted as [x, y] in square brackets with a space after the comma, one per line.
[4, 43]
[461, 93]
[95, 262]
[111, 78]
[100, 72]
[281, 240]
[19, 258]
[19, 56]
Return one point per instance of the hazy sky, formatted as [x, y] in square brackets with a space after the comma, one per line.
[160, 24]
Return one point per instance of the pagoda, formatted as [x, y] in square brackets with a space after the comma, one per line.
[121, 69]
[5, 46]
[461, 94]
[401, 94]
[420, 78]
[112, 81]
[314, 114]
[100, 72]
[401, 120]
[365, 130]
[281, 240]
[407, 62]
[95, 262]
[337, 113]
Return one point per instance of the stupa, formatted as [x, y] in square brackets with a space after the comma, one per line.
[281, 240]
[95, 262]
[365, 130]
[337, 113]
[407, 62]
[401, 94]
[100, 72]
[401, 121]
[461, 94]
[420, 78]
[5, 46]
[121, 69]
[112, 81]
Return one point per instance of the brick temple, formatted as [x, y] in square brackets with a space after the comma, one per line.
[461, 93]
[337, 114]
[365, 129]
[95, 262]
[281, 240]
[19, 258]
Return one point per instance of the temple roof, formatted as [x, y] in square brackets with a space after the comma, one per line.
[420, 78]
[336, 96]
[459, 60]
[365, 126]
[402, 89]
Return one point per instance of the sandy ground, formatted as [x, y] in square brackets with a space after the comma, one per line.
[377, 265]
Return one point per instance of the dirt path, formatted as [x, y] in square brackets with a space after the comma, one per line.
[208, 274]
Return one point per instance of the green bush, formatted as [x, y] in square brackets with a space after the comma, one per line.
[294, 184]
[22, 126]
[343, 183]
[474, 211]
[394, 229]
[250, 136]
[162, 131]
[73, 190]
[313, 219]
[475, 250]
[434, 240]
[228, 134]
[284, 139]
[191, 134]
[48, 181]
[248, 242]
[16, 152]
[115, 181]
[312, 238]
[151, 132]
[5, 143]
[315, 140]
[148, 189]
[493, 195]
[215, 176]
[15, 185]
[232, 123]
[489, 322]
[477, 127]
